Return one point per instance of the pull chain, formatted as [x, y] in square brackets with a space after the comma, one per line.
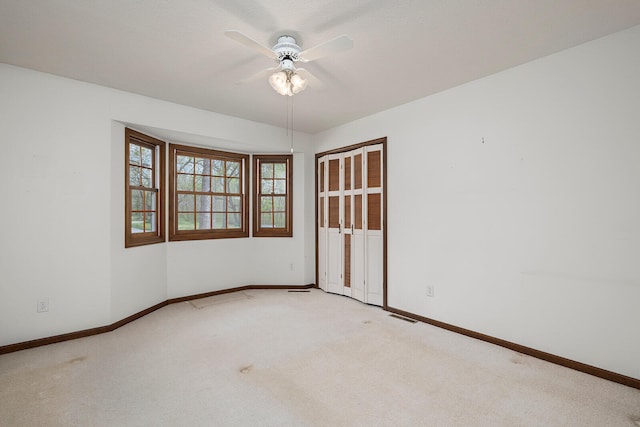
[291, 124]
[289, 106]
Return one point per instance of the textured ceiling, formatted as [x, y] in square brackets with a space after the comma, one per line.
[403, 49]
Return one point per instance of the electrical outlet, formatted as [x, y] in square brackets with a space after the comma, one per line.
[291, 266]
[431, 292]
[43, 305]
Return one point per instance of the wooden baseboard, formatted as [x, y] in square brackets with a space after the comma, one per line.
[54, 339]
[238, 289]
[558, 360]
[108, 328]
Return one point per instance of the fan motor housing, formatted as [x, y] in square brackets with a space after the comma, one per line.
[286, 48]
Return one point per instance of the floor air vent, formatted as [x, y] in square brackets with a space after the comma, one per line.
[406, 319]
[298, 290]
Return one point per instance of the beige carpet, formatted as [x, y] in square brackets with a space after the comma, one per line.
[274, 358]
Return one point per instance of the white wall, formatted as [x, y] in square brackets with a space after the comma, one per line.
[531, 236]
[534, 235]
[196, 267]
[62, 181]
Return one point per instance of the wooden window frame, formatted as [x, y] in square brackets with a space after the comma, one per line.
[258, 160]
[132, 239]
[226, 233]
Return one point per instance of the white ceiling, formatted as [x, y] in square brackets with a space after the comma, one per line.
[175, 50]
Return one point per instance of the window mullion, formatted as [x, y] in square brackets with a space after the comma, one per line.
[211, 219]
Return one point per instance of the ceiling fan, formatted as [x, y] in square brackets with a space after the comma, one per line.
[286, 78]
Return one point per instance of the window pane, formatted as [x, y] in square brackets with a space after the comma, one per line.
[280, 204]
[280, 186]
[217, 167]
[147, 157]
[134, 154]
[137, 202]
[218, 185]
[219, 204]
[233, 185]
[184, 164]
[203, 166]
[266, 170]
[219, 220]
[234, 220]
[203, 221]
[266, 203]
[149, 201]
[266, 220]
[279, 220]
[202, 183]
[271, 210]
[150, 222]
[280, 170]
[233, 168]
[233, 204]
[185, 182]
[266, 186]
[203, 203]
[144, 182]
[137, 222]
[134, 175]
[186, 202]
[146, 177]
[210, 185]
[186, 221]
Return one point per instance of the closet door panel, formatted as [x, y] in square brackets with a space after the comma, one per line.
[374, 270]
[322, 230]
[334, 212]
[357, 170]
[357, 284]
[347, 260]
[351, 223]
[358, 239]
[334, 263]
[335, 282]
[374, 212]
[374, 240]
[357, 213]
[347, 214]
[322, 261]
[374, 170]
[334, 174]
[347, 194]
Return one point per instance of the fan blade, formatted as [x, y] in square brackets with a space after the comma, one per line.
[250, 43]
[259, 74]
[336, 45]
[314, 82]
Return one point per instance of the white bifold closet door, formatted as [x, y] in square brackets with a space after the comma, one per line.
[350, 225]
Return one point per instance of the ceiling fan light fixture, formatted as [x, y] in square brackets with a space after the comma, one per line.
[287, 82]
[298, 84]
[287, 53]
[280, 82]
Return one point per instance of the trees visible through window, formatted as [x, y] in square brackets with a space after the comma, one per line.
[144, 177]
[209, 194]
[273, 210]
